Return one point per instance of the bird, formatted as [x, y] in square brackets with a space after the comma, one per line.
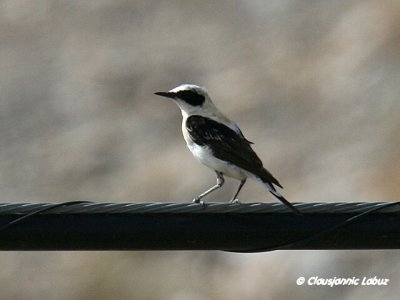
[218, 143]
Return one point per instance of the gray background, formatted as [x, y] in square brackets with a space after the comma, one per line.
[315, 84]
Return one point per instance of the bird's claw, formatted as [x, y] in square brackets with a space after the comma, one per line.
[201, 202]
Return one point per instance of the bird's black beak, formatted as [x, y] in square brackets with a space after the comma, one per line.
[166, 94]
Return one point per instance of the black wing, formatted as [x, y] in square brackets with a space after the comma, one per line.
[227, 145]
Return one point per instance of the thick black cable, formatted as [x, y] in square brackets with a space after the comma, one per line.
[288, 245]
[175, 208]
[38, 211]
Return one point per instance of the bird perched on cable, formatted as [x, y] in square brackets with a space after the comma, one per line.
[218, 142]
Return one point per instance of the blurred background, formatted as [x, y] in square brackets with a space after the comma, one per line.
[315, 84]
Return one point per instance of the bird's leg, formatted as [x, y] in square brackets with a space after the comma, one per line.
[235, 199]
[220, 182]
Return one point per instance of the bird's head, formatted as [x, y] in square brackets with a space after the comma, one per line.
[189, 97]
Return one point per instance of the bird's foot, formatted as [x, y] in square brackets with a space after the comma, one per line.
[198, 200]
[235, 201]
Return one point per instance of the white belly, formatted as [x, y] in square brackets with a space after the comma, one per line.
[204, 155]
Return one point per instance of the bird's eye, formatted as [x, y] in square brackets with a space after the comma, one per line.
[191, 97]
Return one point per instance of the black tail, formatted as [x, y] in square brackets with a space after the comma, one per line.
[287, 203]
[269, 181]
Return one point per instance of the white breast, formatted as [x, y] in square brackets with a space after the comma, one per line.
[205, 156]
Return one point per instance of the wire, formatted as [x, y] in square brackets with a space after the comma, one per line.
[41, 210]
[83, 207]
[86, 207]
[288, 245]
